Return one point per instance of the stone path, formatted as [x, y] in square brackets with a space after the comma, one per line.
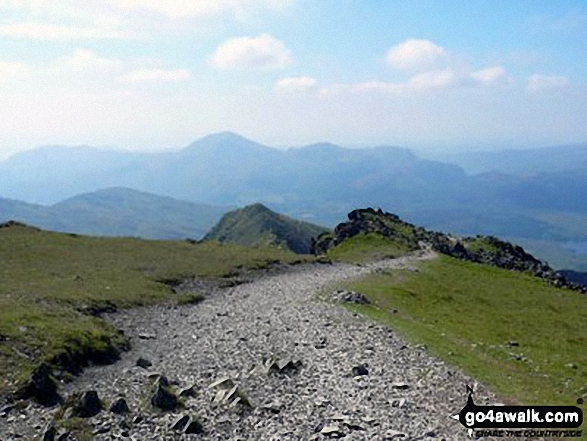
[290, 367]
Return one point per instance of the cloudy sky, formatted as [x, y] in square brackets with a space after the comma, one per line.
[421, 73]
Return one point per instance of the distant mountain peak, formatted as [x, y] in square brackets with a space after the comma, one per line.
[225, 141]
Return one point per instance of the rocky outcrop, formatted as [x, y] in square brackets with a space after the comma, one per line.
[486, 250]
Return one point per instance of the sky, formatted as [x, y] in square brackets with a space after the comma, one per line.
[426, 74]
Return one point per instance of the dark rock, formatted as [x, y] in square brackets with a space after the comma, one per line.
[163, 398]
[322, 343]
[144, 363]
[86, 405]
[360, 370]
[147, 336]
[181, 423]
[351, 297]
[41, 387]
[189, 392]
[119, 406]
[63, 435]
[104, 428]
[194, 427]
[50, 433]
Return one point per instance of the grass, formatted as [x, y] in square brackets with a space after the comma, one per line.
[364, 248]
[47, 279]
[467, 313]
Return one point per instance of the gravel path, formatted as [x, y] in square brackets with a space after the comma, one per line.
[236, 334]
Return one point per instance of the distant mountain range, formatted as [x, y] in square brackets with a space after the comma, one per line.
[517, 195]
[257, 225]
[521, 162]
[118, 212]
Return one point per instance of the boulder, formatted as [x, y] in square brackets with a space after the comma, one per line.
[119, 406]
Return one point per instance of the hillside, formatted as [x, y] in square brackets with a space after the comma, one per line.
[118, 212]
[483, 304]
[257, 225]
[53, 285]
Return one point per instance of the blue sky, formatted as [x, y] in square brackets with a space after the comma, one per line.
[149, 74]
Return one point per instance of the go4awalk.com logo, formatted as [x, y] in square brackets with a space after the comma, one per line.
[520, 421]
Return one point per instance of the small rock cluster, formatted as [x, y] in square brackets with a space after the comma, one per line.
[350, 297]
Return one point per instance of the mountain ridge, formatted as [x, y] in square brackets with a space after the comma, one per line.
[257, 225]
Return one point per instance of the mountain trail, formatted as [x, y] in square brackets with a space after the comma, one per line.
[269, 360]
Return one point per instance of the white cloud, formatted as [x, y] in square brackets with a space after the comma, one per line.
[537, 82]
[378, 86]
[9, 69]
[262, 52]
[121, 19]
[86, 59]
[45, 31]
[428, 81]
[491, 76]
[157, 76]
[203, 8]
[416, 55]
[437, 79]
[296, 84]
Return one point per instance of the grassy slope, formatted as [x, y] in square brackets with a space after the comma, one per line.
[466, 313]
[45, 278]
[365, 248]
[256, 225]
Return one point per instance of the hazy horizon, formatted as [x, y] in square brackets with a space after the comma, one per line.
[142, 74]
[423, 151]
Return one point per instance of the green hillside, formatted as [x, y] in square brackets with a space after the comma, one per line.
[257, 225]
[51, 282]
[519, 336]
[482, 305]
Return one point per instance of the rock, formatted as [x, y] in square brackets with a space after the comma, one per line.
[283, 366]
[194, 427]
[63, 435]
[144, 363]
[400, 385]
[86, 405]
[119, 406]
[398, 403]
[354, 426]
[147, 336]
[351, 297]
[189, 392]
[102, 429]
[41, 386]
[332, 431]
[50, 433]
[222, 383]
[393, 434]
[360, 370]
[181, 423]
[163, 397]
[321, 344]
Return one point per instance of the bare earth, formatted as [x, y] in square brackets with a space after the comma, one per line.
[406, 395]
